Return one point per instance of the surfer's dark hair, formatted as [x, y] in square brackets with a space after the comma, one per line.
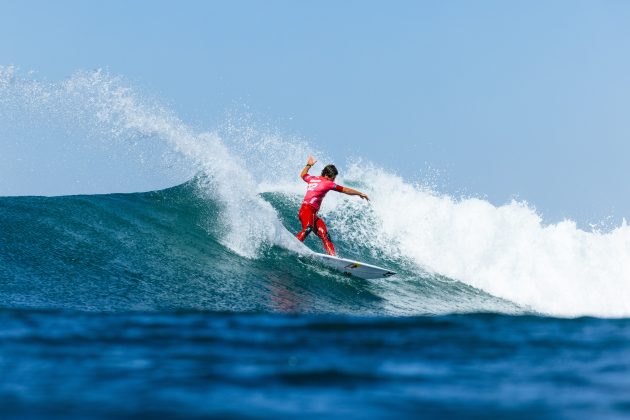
[330, 171]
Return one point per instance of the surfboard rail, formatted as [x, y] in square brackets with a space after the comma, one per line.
[352, 267]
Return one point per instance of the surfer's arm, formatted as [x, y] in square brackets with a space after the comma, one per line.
[352, 191]
[308, 166]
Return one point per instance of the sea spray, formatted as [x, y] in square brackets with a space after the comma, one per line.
[111, 108]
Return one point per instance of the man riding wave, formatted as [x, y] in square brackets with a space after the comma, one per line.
[318, 187]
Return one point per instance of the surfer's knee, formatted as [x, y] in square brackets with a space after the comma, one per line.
[304, 233]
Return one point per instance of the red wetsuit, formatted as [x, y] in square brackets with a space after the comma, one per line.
[317, 188]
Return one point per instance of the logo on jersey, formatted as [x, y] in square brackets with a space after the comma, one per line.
[313, 184]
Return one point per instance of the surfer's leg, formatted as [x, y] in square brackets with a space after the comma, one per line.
[322, 232]
[307, 218]
[304, 232]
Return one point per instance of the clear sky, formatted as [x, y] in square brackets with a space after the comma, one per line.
[501, 99]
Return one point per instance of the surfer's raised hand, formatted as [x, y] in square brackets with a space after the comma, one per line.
[308, 166]
[364, 196]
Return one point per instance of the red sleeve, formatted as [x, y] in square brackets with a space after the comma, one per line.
[307, 177]
[338, 188]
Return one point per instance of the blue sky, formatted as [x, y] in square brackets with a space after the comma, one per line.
[500, 99]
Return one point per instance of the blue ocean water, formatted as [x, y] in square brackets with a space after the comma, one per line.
[127, 305]
[190, 364]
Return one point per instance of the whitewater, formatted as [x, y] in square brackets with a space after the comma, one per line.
[455, 254]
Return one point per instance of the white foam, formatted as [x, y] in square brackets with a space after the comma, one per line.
[507, 250]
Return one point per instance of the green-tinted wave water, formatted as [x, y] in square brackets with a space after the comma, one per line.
[165, 250]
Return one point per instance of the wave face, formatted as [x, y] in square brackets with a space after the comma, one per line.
[224, 241]
[164, 251]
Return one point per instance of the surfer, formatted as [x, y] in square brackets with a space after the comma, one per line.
[317, 188]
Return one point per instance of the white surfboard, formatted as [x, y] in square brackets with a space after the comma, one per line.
[353, 268]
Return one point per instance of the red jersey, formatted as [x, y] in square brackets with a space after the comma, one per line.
[317, 188]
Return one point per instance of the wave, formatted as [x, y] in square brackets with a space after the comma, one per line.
[224, 241]
[163, 250]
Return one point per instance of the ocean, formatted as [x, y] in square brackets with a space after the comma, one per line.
[129, 305]
[198, 301]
